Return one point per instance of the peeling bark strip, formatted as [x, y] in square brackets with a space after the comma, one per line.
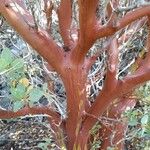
[73, 65]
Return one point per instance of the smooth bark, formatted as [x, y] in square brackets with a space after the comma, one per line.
[71, 63]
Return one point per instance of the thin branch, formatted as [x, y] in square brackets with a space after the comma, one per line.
[111, 6]
[110, 29]
[146, 62]
[33, 15]
[21, 20]
[54, 116]
[113, 51]
[143, 72]
[48, 7]
[91, 60]
[87, 16]
[139, 4]
[87, 31]
[65, 19]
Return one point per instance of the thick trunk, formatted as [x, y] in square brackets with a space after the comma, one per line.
[82, 142]
[74, 82]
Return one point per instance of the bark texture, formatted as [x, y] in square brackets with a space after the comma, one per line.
[73, 65]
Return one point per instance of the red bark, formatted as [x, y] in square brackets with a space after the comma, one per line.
[113, 134]
[73, 65]
[74, 80]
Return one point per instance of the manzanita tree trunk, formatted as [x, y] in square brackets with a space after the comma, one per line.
[72, 63]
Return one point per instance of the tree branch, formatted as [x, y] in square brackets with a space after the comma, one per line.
[110, 6]
[106, 97]
[110, 29]
[20, 19]
[143, 72]
[48, 7]
[65, 19]
[111, 81]
[54, 116]
[87, 31]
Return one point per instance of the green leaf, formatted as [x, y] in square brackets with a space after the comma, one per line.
[43, 146]
[35, 95]
[7, 55]
[17, 63]
[3, 64]
[15, 74]
[47, 140]
[147, 98]
[144, 119]
[147, 129]
[19, 92]
[133, 122]
[17, 105]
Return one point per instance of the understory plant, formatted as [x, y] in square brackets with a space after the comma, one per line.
[139, 120]
[82, 24]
